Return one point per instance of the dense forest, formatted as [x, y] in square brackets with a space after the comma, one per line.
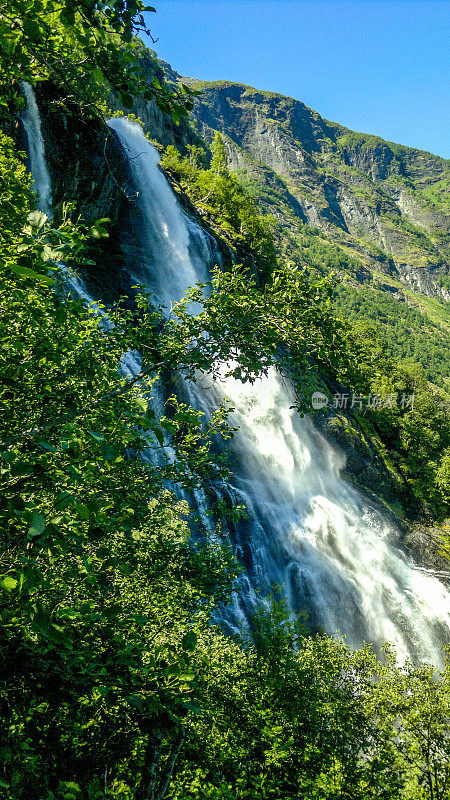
[115, 681]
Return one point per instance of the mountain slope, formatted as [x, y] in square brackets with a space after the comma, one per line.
[386, 204]
[374, 212]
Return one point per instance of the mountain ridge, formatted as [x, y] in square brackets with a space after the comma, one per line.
[352, 186]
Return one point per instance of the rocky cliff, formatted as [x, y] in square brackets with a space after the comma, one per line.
[385, 204]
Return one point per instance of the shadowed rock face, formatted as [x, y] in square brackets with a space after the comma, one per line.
[360, 190]
[85, 161]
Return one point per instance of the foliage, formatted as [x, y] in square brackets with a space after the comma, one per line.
[101, 587]
[113, 682]
[413, 708]
[86, 48]
[242, 330]
[443, 476]
[408, 334]
[417, 436]
[299, 717]
[218, 193]
[104, 598]
[321, 254]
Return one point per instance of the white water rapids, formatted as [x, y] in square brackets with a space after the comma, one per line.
[308, 532]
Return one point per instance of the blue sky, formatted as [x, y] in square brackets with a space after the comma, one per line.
[378, 66]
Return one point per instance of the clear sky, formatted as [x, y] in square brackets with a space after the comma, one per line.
[377, 66]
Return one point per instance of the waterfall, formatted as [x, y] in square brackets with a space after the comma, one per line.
[36, 152]
[308, 532]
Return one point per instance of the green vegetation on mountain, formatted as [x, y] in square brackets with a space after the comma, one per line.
[217, 193]
[413, 326]
[409, 334]
[373, 212]
[417, 437]
[349, 201]
[113, 681]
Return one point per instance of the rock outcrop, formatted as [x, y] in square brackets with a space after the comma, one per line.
[366, 194]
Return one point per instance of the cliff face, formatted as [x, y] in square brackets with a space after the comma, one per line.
[386, 204]
[85, 161]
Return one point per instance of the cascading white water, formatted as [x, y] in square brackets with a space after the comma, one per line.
[36, 152]
[177, 252]
[308, 532]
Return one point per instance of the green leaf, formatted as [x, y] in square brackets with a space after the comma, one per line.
[141, 402]
[37, 219]
[97, 74]
[21, 468]
[63, 500]
[97, 436]
[135, 701]
[82, 510]
[25, 272]
[41, 621]
[17, 505]
[159, 435]
[47, 446]
[189, 641]
[188, 677]
[31, 29]
[70, 790]
[98, 232]
[126, 99]
[110, 452]
[194, 708]
[37, 527]
[67, 18]
[8, 583]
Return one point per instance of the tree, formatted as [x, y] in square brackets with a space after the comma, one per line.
[219, 161]
[86, 48]
[413, 704]
[286, 716]
[443, 476]
[219, 195]
[101, 588]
